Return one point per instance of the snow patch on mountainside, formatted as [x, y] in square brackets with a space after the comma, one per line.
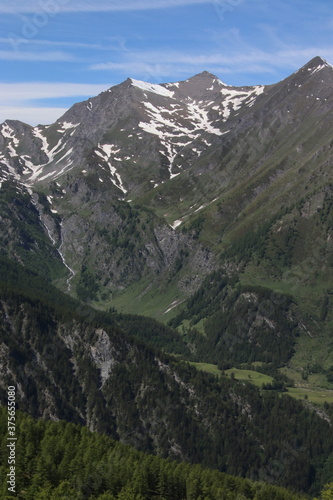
[8, 133]
[52, 155]
[234, 99]
[220, 82]
[152, 87]
[66, 126]
[45, 145]
[319, 68]
[201, 120]
[27, 164]
[177, 126]
[105, 151]
[176, 223]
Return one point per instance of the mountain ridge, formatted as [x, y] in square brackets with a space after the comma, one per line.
[81, 111]
[195, 175]
[207, 210]
[177, 154]
[69, 122]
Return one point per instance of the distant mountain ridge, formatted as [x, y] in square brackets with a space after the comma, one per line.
[176, 113]
[167, 118]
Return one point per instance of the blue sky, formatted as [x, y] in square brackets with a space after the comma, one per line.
[54, 53]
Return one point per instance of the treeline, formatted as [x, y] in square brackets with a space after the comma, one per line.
[62, 461]
[224, 305]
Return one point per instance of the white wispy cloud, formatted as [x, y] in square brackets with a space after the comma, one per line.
[132, 68]
[55, 6]
[286, 57]
[163, 63]
[12, 55]
[117, 43]
[18, 92]
[19, 101]
[31, 115]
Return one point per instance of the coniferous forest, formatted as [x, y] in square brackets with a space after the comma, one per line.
[60, 461]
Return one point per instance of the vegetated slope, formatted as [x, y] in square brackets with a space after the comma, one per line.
[215, 162]
[230, 323]
[271, 153]
[73, 363]
[57, 458]
[271, 299]
[263, 196]
[273, 226]
[23, 235]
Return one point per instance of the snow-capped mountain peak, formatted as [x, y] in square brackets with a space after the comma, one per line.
[152, 87]
[138, 134]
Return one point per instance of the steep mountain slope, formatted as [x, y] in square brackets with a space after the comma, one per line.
[258, 161]
[68, 361]
[242, 176]
[115, 471]
[25, 236]
[125, 142]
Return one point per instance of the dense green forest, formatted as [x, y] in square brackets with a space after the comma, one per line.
[74, 363]
[62, 461]
[239, 324]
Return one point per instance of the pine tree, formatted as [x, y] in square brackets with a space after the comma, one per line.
[327, 493]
